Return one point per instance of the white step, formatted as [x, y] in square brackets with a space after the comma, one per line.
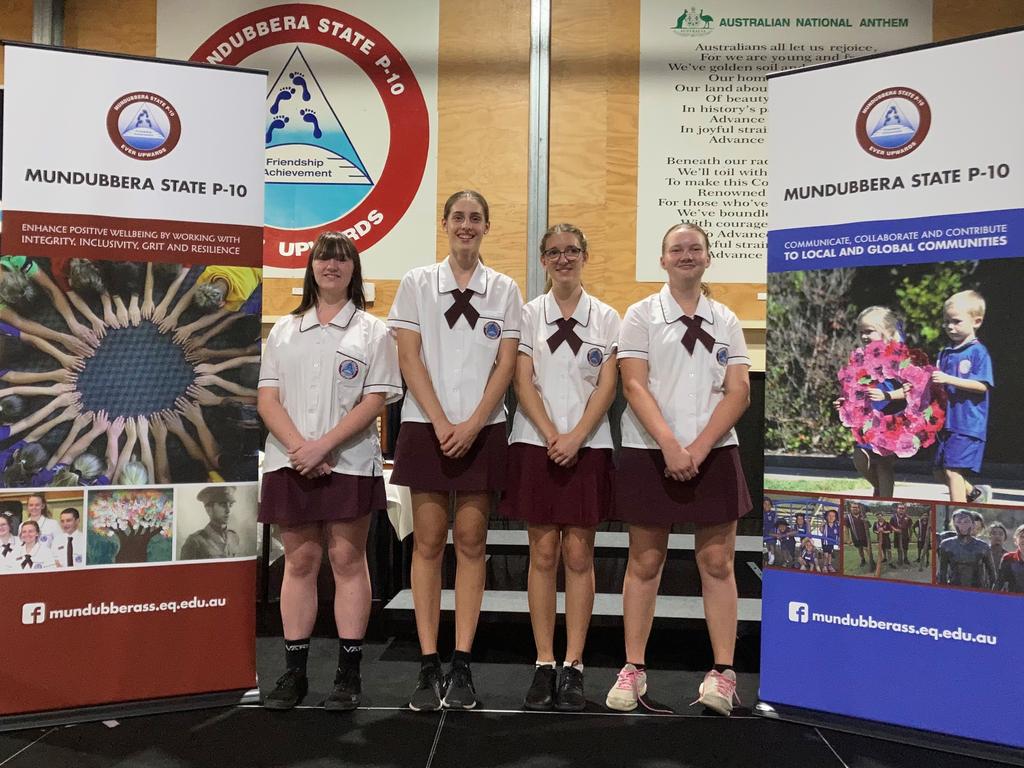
[680, 542]
[605, 604]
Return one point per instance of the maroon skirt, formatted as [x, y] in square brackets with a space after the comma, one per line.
[541, 492]
[420, 465]
[718, 494]
[288, 498]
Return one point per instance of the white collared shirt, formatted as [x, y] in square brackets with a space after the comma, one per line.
[686, 387]
[565, 379]
[59, 545]
[459, 360]
[8, 559]
[322, 372]
[48, 528]
[42, 558]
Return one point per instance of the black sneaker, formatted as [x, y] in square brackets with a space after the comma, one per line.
[288, 691]
[427, 696]
[347, 687]
[570, 691]
[459, 693]
[541, 695]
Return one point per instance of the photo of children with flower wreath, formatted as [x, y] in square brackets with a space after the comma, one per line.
[131, 526]
[882, 382]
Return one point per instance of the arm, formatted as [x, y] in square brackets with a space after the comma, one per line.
[530, 399]
[99, 426]
[24, 377]
[43, 429]
[81, 422]
[97, 325]
[176, 428]
[236, 362]
[134, 313]
[126, 453]
[310, 455]
[60, 301]
[121, 311]
[679, 464]
[565, 448]
[276, 418]
[77, 346]
[212, 380]
[207, 354]
[70, 362]
[68, 398]
[53, 389]
[142, 426]
[114, 431]
[108, 311]
[163, 470]
[194, 414]
[161, 309]
[967, 385]
[147, 299]
[726, 413]
[418, 381]
[171, 320]
[225, 320]
[185, 331]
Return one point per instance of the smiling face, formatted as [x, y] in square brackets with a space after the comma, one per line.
[29, 533]
[684, 255]
[563, 258]
[332, 277]
[5, 527]
[35, 506]
[465, 225]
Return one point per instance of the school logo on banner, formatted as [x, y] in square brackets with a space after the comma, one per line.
[143, 125]
[893, 122]
[316, 176]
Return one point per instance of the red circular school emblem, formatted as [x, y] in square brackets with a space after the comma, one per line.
[331, 187]
[143, 125]
[893, 122]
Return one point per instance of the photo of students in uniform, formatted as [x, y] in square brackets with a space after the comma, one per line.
[802, 533]
[46, 543]
[888, 540]
[216, 521]
[979, 547]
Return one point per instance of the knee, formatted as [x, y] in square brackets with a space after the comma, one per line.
[470, 546]
[544, 559]
[302, 565]
[716, 566]
[347, 562]
[578, 559]
[428, 546]
[645, 567]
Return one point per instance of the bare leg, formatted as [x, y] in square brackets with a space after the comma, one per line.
[647, 548]
[470, 536]
[346, 547]
[302, 554]
[716, 552]
[541, 588]
[430, 533]
[578, 555]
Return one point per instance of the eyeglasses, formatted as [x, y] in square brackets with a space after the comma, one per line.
[571, 253]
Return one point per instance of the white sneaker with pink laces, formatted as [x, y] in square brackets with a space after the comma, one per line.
[629, 686]
[718, 691]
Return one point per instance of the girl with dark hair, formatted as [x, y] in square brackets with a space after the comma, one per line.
[684, 368]
[457, 324]
[328, 370]
[560, 456]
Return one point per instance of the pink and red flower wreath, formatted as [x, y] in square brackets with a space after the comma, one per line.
[880, 364]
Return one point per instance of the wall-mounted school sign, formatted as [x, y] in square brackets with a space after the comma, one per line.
[347, 123]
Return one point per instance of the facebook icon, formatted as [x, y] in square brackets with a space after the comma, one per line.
[33, 613]
[799, 612]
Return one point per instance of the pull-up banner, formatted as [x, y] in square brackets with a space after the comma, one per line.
[894, 482]
[129, 321]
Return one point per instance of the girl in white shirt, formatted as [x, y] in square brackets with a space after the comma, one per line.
[560, 458]
[457, 325]
[39, 513]
[33, 555]
[684, 368]
[8, 546]
[328, 369]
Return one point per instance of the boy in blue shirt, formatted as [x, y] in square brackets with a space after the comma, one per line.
[965, 372]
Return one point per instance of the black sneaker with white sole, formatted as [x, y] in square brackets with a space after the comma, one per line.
[459, 692]
[427, 696]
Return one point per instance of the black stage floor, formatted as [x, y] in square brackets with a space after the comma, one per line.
[384, 734]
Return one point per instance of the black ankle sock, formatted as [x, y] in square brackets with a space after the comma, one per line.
[722, 667]
[350, 652]
[430, 660]
[461, 658]
[296, 652]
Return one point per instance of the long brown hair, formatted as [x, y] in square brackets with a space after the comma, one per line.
[331, 245]
[704, 287]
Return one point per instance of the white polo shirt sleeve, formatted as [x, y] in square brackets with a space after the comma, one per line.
[513, 315]
[634, 335]
[405, 311]
[738, 354]
[611, 327]
[528, 329]
[269, 374]
[383, 375]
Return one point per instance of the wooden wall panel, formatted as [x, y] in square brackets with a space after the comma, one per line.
[111, 25]
[15, 24]
[957, 18]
